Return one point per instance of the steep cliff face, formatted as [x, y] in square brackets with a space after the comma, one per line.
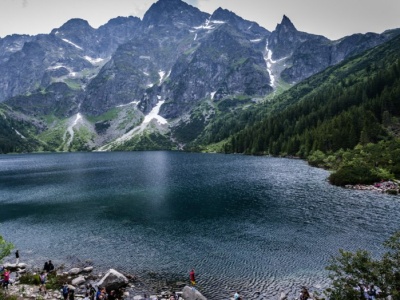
[57, 99]
[306, 54]
[12, 44]
[225, 63]
[29, 63]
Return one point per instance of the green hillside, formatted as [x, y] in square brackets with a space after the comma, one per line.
[354, 103]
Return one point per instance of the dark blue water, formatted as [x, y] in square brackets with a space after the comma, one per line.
[247, 223]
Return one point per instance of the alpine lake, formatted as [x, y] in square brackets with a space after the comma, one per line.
[259, 225]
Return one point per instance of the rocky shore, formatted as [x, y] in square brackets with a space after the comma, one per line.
[389, 187]
[78, 280]
[126, 285]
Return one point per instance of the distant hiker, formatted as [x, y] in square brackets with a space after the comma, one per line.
[43, 277]
[304, 295]
[111, 296]
[17, 257]
[46, 267]
[65, 291]
[360, 289]
[192, 278]
[372, 292]
[51, 266]
[91, 290]
[6, 278]
[236, 296]
[99, 294]
[71, 294]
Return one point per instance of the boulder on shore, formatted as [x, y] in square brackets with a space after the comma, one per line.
[14, 267]
[79, 280]
[113, 280]
[87, 269]
[74, 271]
[190, 293]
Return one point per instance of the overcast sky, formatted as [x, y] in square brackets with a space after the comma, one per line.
[333, 19]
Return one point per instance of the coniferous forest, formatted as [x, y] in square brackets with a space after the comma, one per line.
[346, 116]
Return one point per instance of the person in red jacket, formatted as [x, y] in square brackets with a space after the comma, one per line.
[192, 278]
[6, 279]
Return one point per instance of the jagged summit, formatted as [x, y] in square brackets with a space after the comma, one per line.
[74, 24]
[165, 12]
[120, 21]
[244, 25]
[285, 25]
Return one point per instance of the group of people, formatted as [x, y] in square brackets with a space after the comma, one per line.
[67, 293]
[48, 266]
[367, 293]
[90, 294]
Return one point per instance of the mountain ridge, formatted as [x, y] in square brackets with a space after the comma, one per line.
[193, 67]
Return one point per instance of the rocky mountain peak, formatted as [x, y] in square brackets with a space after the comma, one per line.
[120, 21]
[74, 25]
[243, 25]
[285, 26]
[167, 12]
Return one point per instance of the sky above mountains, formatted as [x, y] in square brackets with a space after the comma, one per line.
[333, 19]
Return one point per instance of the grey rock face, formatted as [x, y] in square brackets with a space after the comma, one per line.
[225, 63]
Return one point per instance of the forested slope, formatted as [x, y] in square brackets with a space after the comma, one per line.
[354, 103]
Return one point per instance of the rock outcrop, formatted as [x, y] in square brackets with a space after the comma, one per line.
[113, 280]
[190, 293]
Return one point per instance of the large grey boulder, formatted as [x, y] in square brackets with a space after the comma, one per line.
[74, 271]
[87, 269]
[113, 280]
[79, 280]
[190, 293]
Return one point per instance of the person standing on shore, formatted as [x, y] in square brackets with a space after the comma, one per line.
[192, 277]
[51, 266]
[46, 267]
[91, 290]
[17, 257]
[65, 291]
[6, 278]
[236, 296]
[43, 277]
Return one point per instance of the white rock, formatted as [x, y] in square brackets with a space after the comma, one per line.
[14, 267]
[79, 280]
[113, 280]
[88, 269]
[74, 271]
[137, 298]
[190, 293]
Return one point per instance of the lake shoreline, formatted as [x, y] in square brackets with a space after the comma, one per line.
[135, 288]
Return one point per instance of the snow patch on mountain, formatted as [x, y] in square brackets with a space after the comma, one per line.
[154, 114]
[130, 103]
[71, 43]
[94, 61]
[70, 129]
[17, 132]
[271, 63]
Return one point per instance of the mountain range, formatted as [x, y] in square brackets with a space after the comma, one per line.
[162, 82]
